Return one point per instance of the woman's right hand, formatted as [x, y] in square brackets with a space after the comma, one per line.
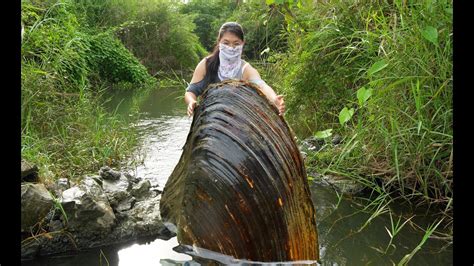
[191, 107]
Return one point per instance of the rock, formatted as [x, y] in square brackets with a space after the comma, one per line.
[87, 208]
[311, 144]
[125, 204]
[55, 225]
[36, 203]
[61, 185]
[141, 190]
[29, 172]
[336, 139]
[109, 174]
[343, 184]
[30, 249]
[140, 221]
[131, 178]
[117, 190]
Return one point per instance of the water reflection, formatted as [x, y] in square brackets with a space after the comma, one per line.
[161, 143]
[151, 253]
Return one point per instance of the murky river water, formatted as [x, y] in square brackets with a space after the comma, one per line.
[163, 129]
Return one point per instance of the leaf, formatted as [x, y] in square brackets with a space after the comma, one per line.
[299, 4]
[376, 67]
[269, 2]
[345, 115]
[363, 95]
[431, 34]
[323, 134]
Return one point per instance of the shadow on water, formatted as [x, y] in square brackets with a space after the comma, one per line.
[163, 129]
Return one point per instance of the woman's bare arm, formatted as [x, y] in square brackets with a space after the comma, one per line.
[189, 97]
[252, 74]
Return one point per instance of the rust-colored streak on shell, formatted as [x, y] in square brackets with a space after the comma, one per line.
[240, 186]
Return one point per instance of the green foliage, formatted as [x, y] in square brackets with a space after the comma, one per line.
[153, 30]
[52, 41]
[264, 29]
[393, 62]
[113, 62]
[323, 134]
[208, 17]
[363, 95]
[376, 67]
[345, 115]
[65, 130]
[431, 34]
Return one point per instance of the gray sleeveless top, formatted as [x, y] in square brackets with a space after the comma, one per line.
[198, 87]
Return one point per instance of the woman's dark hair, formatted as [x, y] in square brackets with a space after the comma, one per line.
[212, 62]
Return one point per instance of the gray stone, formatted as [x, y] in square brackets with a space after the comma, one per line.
[36, 203]
[311, 144]
[55, 225]
[125, 204]
[109, 174]
[117, 190]
[131, 178]
[61, 185]
[336, 139]
[87, 207]
[344, 184]
[142, 220]
[30, 249]
[141, 190]
[29, 172]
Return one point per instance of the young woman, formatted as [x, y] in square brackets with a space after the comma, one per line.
[225, 63]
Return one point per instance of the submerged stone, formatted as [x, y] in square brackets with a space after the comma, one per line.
[240, 186]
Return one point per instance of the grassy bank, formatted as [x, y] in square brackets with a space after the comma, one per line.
[379, 73]
[74, 54]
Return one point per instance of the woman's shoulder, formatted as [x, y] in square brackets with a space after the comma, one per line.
[202, 64]
[248, 71]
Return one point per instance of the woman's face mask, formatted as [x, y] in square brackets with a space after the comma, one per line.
[229, 52]
[230, 61]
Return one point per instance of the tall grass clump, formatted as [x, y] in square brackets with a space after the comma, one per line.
[154, 31]
[264, 28]
[64, 128]
[380, 74]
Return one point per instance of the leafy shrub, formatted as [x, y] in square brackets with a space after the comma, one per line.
[113, 61]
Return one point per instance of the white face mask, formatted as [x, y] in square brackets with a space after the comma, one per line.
[230, 62]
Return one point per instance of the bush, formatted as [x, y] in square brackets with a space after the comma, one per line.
[208, 17]
[153, 30]
[64, 128]
[113, 62]
[264, 29]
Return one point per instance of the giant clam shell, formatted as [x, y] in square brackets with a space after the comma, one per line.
[240, 186]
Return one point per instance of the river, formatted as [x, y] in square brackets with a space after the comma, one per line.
[163, 128]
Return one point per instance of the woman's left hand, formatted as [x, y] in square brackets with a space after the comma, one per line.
[280, 104]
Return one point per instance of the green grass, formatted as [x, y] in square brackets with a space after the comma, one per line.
[65, 129]
[401, 138]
